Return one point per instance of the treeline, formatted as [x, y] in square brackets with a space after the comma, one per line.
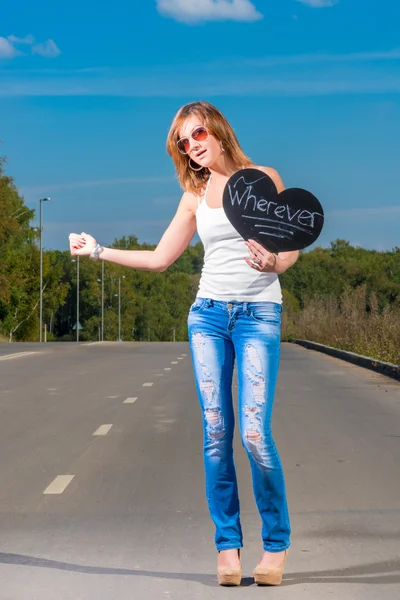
[153, 305]
[345, 297]
[342, 295]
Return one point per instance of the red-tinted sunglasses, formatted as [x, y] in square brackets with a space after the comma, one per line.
[199, 134]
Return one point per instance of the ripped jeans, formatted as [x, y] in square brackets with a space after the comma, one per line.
[219, 333]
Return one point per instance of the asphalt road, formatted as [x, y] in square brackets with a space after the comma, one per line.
[104, 499]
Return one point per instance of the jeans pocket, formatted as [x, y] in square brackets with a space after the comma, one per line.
[267, 314]
[197, 305]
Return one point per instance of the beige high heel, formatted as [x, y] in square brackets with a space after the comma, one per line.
[229, 576]
[270, 576]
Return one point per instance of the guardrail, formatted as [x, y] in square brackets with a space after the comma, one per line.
[385, 368]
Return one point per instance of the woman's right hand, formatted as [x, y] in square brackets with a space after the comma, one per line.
[81, 245]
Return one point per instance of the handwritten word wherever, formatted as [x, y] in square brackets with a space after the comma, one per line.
[253, 204]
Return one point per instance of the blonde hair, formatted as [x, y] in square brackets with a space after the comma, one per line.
[217, 124]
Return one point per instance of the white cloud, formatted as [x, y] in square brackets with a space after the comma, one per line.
[381, 212]
[7, 50]
[28, 39]
[319, 3]
[74, 185]
[290, 75]
[172, 84]
[8, 47]
[47, 49]
[309, 59]
[190, 11]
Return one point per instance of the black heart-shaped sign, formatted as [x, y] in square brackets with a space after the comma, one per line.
[291, 220]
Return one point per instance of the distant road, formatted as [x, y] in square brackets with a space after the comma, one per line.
[102, 491]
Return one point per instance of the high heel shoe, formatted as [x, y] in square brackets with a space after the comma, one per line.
[270, 576]
[229, 575]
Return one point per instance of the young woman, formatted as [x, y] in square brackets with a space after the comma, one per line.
[236, 316]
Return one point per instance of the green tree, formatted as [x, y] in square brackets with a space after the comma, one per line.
[19, 267]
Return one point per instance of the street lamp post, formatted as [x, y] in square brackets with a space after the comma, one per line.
[119, 307]
[102, 301]
[41, 271]
[77, 300]
[77, 296]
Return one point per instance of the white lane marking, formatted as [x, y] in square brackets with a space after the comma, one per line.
[112, 397]
[183, 354]
[174, 362]
[147, 385]
[17, 355]
[159, 375]
[130, 400]
[102, 430]
[167, 369]
[59, 484]
[180, 357]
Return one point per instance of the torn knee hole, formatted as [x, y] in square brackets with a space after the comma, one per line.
[207, 388]
[215, 423]
[213, 416]
[253, 436]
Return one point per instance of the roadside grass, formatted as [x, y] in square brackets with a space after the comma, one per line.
[351, 322]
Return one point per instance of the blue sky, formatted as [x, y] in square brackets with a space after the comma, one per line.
[311, 87]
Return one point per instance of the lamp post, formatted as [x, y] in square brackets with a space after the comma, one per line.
[102, 300]
[41, 271]
[77, 296]
[77, 300]
[119, 307]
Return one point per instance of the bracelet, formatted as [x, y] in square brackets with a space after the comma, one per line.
[97, 250]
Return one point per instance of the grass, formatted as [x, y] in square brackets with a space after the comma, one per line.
[352, 322]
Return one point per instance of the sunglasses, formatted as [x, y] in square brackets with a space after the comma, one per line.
[199, 134]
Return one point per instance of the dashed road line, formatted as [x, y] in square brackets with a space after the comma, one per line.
[167, 369]
[130, 400]
[174, 362]
[59, 484]
[147, 385]
[180, 357]
[102, 430]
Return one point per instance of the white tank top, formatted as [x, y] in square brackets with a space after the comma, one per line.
[225, 275]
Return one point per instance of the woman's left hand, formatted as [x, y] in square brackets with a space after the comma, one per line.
[260, 259]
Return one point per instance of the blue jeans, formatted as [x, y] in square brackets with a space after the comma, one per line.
[219, 333]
